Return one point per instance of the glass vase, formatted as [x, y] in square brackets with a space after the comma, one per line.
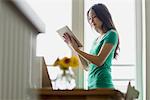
[65, 80]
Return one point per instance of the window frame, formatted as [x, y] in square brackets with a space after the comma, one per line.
[140, 47]
[78, 29]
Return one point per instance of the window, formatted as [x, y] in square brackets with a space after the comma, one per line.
[123, 14]
[55, 14]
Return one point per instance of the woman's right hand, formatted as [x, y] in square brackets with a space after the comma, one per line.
[67, 40]
[71, 43]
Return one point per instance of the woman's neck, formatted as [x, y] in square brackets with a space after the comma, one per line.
[101, 31]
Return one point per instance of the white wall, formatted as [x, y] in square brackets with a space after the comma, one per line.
[147, 4]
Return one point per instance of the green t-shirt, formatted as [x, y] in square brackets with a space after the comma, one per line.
[100, 76]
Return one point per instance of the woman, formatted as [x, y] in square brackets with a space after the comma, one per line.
[104, 48]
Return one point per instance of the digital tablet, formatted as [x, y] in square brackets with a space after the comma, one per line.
[66, 29]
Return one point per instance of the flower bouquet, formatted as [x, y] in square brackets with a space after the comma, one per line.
[66, 80]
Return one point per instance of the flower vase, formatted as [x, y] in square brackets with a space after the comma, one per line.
[65, 80]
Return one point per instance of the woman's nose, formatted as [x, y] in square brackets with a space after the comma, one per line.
[92, 20]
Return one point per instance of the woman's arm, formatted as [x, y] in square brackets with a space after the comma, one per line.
[95, 59]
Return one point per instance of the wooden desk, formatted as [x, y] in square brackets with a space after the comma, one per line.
[76, 94]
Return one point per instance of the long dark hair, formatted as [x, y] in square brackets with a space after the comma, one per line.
[104, 15]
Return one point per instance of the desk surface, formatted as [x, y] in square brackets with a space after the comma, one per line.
[102, 92]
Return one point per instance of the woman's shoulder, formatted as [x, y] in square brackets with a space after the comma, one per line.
[111, 36]
[111, 31]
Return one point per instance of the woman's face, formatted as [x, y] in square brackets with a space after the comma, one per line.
[94, 21]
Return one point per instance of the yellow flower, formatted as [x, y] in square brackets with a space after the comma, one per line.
[74, 62]
[66, 62]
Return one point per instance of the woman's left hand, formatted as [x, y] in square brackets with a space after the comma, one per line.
[70, 40]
